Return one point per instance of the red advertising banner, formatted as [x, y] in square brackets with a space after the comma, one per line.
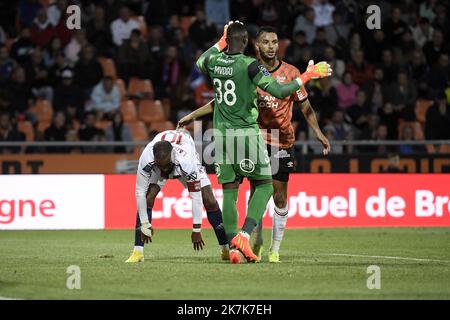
[315, 201]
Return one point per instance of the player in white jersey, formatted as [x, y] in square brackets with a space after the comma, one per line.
[172, 155]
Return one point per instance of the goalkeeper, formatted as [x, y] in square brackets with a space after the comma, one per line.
[240, 150]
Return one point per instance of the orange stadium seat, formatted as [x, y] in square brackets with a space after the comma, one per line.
[282, 46]
[159, 126]
[421, 109]
[151, 111]
[122, 89]
[138, 130]
[43, 110]
[27, 128]
[142, 88]
[108, 67]
[43, 125]
[128, 110]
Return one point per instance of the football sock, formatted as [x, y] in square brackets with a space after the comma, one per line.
[258, 234]
[137, 231]
[229, 212]
[280, 216]
[139, 249]
[214, 215]
[257, 206]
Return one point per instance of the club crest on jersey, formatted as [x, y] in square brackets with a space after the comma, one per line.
[247, 165]
[281, 79]
[217, 169]
[264, 70]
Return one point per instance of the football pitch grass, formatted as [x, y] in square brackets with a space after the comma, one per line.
[316, 264]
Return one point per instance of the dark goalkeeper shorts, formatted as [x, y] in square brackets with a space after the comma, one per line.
[281, 162]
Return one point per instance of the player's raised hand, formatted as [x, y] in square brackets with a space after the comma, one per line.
[146, 232]
[315, 71]
[197, 240]
[325, 143]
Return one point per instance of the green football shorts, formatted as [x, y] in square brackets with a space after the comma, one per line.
[239, 156]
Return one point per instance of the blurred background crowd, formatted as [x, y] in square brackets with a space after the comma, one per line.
[130, 72]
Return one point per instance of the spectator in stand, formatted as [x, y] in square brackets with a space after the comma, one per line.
[376, 46]
[98, 33]
[55, 72]
[105, 99]
[269, 14]
[319, 44]
[338, 31]
[405, 49]
[442, 22]
[323, 10]
[169, 72]
[437, 125]
[56, 11]
[22, 47]
[89, 132]
[336, 64]
[422, 32]
[121, 27]
[389, 117]
[42, 31]
[28, 10]
[72, 136]
[357, 113]
[37, 76]
[204, 92]
[296, 47]
[134, 58]
[17, 95]
[324, 95]
[403, 95]
[57, 132]
[9, 133]
[360, 70]
[202, 32]
[408, 134]
[337, 129]
[346, 91]
[305, 23]
[73, 49]
[7, 64]
[169, 30]
[157, 43]
[119, 131]
[51, 52]
[432, 49]
[417, 68]
[185, 47]
[376, 90]
[439, 77]
[88, 71]
[396, 26]
[68, 94]
[427, 9]
[390, 68]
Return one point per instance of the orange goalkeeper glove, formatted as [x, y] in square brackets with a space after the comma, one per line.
[316, 71]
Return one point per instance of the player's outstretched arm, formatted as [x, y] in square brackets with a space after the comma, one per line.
[311, 118]
[198, 113]
[197, 212]
[142, 184]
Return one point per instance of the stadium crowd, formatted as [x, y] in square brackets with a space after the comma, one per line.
[130, 70]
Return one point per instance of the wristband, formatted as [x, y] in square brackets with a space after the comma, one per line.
[196, 229]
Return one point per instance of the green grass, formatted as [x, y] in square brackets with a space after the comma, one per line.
[33, 266]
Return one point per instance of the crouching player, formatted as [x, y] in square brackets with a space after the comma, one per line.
[172, 155]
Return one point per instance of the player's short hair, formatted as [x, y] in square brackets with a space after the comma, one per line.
[236, 30]
[265, 29]
[162, 150]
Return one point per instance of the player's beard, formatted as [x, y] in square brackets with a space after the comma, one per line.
[268, 60]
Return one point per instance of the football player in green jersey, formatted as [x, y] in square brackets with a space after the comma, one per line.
[240, 150]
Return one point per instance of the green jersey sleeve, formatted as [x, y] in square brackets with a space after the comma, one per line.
[202, 62]
[261, 77]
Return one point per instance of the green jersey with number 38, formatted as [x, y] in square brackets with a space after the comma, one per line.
[235, 78]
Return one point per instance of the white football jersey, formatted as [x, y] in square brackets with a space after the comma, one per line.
[186, 158]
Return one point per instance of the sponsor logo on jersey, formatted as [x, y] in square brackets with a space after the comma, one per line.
[264, 70]
[247, 165]
[282, 154]
[290, 164]
[225, 60]
[217, 169]
[281, 79]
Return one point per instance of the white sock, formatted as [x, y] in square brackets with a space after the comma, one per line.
[139, 249]
[280, 216]
[245, 234]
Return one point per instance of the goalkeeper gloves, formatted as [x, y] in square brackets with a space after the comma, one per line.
[147, 232]
[315, 71]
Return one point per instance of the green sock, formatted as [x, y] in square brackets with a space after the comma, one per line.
[229, 212]
[257, 205]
